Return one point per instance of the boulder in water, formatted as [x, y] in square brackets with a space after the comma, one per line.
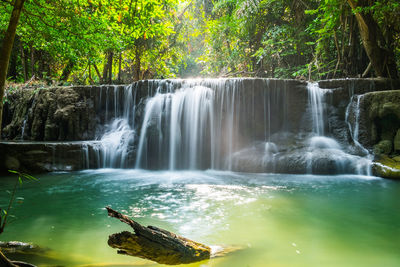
[386, 167]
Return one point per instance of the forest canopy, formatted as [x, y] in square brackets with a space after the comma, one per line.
[104, 41]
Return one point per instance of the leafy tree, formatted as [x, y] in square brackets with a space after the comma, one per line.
[103, 41]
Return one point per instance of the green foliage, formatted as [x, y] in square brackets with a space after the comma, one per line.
[81, 32]
[310, 39]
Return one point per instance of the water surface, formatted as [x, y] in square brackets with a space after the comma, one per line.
[278, 220]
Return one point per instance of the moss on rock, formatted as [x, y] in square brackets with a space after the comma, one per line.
[384, 147]
[386, 167]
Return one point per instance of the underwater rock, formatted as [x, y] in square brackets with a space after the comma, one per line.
[156, 244]
[386, 167]
[13, 246]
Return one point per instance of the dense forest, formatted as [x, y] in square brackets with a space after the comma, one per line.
[101, 41]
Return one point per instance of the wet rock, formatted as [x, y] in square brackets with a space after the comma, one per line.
[299, 160]
[360, 85]
[21, 250]
[396, 158]
[379, 117]
[36, 157]
[386, 167]
[17, 246]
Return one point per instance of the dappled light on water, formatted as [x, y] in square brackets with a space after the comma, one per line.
[276, 220]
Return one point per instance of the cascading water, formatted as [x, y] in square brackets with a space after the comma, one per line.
[229, 124]
[354, 133]
[204, 122]
[114, 147]
[175, 127]
[316, 103]
[320, 143]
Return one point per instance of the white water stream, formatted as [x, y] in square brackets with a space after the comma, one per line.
[202, 124]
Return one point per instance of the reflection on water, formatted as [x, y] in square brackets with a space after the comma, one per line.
[279, 220]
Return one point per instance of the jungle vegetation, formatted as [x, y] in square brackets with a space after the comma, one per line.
[104, 41]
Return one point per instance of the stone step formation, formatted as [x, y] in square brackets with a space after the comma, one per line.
[241, 124]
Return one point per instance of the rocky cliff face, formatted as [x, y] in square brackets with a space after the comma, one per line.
[377, 117]
[53, 114]
[360, 114]
[379, 120]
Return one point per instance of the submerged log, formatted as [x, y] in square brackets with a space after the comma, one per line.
[155, 244]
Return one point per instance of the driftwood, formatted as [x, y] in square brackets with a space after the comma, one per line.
[155, 244]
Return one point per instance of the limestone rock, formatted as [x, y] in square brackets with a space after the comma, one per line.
[50, 114]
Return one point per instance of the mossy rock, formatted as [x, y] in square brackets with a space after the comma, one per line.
[384, 147]
[397, 141]
[386, 167]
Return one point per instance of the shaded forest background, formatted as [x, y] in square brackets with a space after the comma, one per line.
[99, 41]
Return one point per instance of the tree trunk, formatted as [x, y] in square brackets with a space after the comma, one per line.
[110, 62]
[90, 74]
[5, 51]
[380, 53]
[12, 67]
[32, 61]
[98, 73]
[41, 65]
[119, 67]
[107, 71]
[105, 68]
[23, 61]
[156, 244]
[67, 71]
[136, 74]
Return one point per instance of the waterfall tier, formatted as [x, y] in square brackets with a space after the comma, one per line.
[253, 125]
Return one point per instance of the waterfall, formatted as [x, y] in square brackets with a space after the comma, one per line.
[224, 124]
[320, 144]
[181, 121]
[202, 123]
[365, 166]
[316, 102]
[354, 132]
[114, 147]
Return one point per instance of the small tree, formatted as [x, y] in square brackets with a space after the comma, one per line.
[5, 213]
[6, 48]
